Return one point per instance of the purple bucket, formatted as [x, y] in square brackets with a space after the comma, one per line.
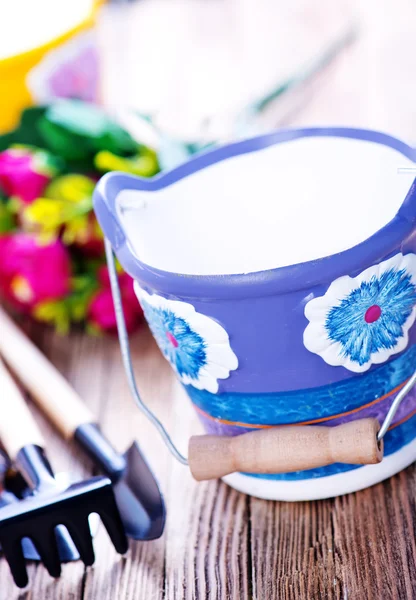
[278, 276]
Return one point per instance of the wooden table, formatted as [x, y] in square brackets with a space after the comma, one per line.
[218, 543]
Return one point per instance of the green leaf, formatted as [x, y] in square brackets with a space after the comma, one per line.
[68, 145]
[77, 130]
[7, 222]
[84, 287]
[93, 330]
[92, 265]
[26, 132]
[55, 313]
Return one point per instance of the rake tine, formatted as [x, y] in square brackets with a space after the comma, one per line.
[39, 515]
[13, 553]
[79, 530]
[47, 546]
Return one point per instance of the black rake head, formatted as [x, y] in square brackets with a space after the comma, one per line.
[37, 517]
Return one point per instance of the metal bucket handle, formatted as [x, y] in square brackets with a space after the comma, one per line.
[273, 450]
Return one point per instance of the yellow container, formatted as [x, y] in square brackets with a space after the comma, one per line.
[65, 66]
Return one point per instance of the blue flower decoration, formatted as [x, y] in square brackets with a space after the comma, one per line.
[183, 347]
[196, 346]
[363, 321]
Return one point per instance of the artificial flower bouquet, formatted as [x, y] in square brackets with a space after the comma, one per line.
[52, 261]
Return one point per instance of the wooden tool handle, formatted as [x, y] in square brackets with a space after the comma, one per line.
[285, 449]
[17, 426]
[49, 388]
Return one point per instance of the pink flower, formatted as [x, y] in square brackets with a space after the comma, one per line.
[31, 273]
[25, 172]
[68, 72]
[78, 79]
[101, 312]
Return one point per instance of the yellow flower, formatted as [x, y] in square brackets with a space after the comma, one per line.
[71, 188]
[48, 213]
[55, 313]
[76, 230]
[66, 203]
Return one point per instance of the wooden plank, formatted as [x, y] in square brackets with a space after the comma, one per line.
[204, 522]
[292, 550]
[207, 530]
[140, 574]
[356, 546]
[379, 524]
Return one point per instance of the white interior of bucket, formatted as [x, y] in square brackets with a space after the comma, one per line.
[283, 205]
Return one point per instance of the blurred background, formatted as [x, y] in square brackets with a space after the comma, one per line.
[88, 86]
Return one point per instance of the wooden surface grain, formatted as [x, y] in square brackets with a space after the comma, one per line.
[219, 544]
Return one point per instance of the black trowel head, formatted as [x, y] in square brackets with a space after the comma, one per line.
[139, 499]
[137, 493]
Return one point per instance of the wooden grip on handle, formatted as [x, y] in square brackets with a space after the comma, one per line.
[17, 426]
[285, 449]
[49, 388]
